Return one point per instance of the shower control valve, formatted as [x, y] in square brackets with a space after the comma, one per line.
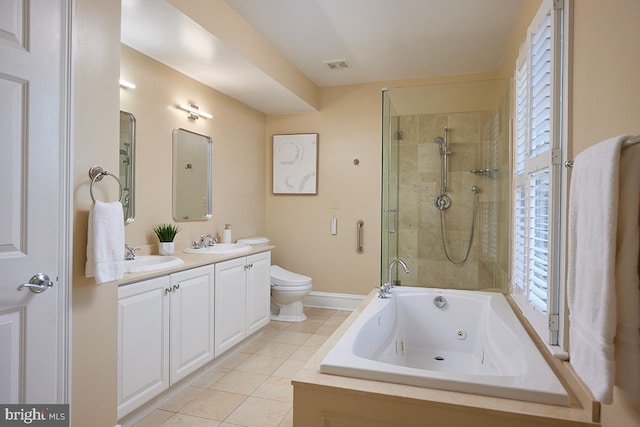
[442, 202]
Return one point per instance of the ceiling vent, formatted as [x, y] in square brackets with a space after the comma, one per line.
[337, 64]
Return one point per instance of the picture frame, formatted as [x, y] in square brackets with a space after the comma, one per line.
[295, 164]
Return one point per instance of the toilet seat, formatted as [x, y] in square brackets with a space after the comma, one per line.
[285, 278]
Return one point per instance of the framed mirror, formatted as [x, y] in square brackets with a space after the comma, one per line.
[191, 176]
[127, 164]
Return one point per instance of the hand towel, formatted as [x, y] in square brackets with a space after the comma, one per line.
[627, 340]
[591, 297]
[105, 242]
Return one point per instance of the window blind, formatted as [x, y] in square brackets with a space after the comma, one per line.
[533, 210]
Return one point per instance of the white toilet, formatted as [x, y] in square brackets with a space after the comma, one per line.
[287, 291]
[287, 288]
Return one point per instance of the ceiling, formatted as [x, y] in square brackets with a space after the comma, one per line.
[381, 40]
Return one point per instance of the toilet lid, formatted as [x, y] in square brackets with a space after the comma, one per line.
[282, 277]
[255, 241]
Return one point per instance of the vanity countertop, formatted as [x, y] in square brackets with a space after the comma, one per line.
[190, 261]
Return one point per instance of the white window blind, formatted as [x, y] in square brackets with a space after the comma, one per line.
[534, 210]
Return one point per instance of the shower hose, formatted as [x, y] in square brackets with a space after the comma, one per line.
[474, 189]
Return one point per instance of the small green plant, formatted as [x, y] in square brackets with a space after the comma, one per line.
[166, 232]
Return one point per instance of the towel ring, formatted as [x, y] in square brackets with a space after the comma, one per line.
[96, 173]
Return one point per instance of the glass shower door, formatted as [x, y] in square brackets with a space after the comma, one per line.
[389, 221]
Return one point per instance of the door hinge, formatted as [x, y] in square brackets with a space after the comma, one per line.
[554, 322]
[556, 156]
[558, 4]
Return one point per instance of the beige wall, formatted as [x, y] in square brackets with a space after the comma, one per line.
[606, 84]
[238, 152]
[349, 127]
[95, 61]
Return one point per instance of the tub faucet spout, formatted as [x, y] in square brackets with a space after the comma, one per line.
[385, 288]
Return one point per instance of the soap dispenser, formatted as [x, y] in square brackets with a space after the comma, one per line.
[226, 235]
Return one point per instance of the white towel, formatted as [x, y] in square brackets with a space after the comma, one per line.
[627, 341]
[105, 242]
[592, 282]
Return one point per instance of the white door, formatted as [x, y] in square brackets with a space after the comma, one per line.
[33, 36]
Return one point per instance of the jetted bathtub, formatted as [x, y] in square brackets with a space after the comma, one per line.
[465, 341]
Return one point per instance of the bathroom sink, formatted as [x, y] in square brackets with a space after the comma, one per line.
[220, 249]
[150, 263]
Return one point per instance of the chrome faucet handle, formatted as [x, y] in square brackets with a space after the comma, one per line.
[210, 237]
[130, 252]
[384, 291]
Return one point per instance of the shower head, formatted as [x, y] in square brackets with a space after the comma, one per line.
[438, 140]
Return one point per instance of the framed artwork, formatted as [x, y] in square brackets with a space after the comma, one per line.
[295, 163]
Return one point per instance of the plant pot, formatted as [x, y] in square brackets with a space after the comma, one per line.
[166, 248]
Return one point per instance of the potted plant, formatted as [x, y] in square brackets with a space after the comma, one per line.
[166, 233]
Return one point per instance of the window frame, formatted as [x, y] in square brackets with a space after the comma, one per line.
[554, 337]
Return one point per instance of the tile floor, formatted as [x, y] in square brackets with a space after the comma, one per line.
[253, 386]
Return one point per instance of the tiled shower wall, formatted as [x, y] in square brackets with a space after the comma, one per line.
[475, 142]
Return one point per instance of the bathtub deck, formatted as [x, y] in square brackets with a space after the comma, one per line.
[330, 400]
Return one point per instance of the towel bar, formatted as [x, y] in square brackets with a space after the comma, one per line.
[631, 141]
[96, 173]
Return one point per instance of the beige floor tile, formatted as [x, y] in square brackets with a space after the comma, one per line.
[274, 325]
[183, 420]
[260, 364]
[257, 412]
[254, 345]
[154, 419]
[318, 312]
[289, 368]
[288, 420]
[291, 337]
[178, 401]
[316, 340]
[326, 329]
[307, 326]
[213, 404]
[210, 377]
[234, 360]
[239, 382]
[276, 388]
[338, 318]
[303, 354]
[277, 349]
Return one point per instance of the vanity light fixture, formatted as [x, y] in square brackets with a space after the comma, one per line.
[194, 112]
[126, 84]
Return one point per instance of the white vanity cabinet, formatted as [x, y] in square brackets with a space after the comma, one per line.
[191, 321]
[165, 332]
[143, 342]
[242, 298]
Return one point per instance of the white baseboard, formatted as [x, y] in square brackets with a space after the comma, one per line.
[333, 301]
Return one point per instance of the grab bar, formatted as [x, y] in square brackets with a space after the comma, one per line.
[359, 246]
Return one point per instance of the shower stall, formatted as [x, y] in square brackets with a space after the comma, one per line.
[446, 184]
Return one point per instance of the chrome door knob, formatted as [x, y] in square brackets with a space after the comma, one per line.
[37, 284]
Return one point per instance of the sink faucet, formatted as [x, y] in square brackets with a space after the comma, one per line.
[210, 237]
[129, 252]
[385, 288]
